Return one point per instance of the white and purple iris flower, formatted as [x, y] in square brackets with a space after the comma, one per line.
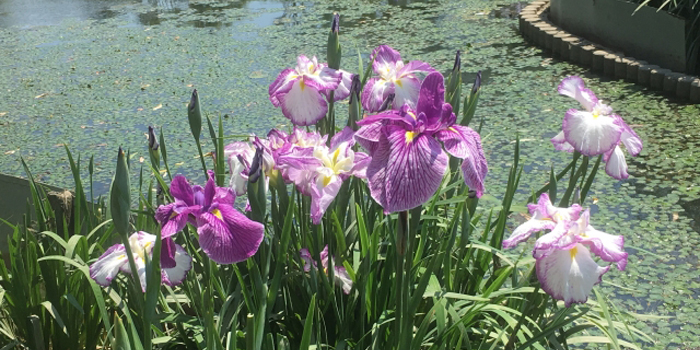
[341, 275]
[225, 235]
[302, 91]
[319, 171]
[239, 156]
[595, 130]
[174, 268]
[394, 77]
[563, 261]
[407, 160]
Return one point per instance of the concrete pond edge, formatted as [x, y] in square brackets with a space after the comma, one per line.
[536, 27]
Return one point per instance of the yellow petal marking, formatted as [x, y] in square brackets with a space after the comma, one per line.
[301, 84]
[217, 213]
[409, 136]
[573, 252]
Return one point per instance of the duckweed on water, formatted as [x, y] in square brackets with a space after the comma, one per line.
[97, 84]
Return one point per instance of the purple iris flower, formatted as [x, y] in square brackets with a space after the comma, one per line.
[225, 235]
[408, 162]
[319, 171]
[341, 274]
[595, 130]
[563, 261]
[394, 77]
[141, 244]
[302, 91]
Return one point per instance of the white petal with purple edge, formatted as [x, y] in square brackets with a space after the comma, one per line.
[571, 86]
[183, 263]
[590, 134]
[615, 164]
[608, 247]
[525, 230]
[385, 59]
[282, 85]
[374, 93]
[303, 105]
[629, 138]
[406, 90]
[569, 275]
[560, 143]
[107, 266]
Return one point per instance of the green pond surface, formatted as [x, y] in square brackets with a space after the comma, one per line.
[94, 74]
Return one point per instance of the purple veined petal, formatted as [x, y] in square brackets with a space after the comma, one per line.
[465, 143]
[415, 67]
[182, 190]
[199, 197]
[228, 236]
[346, 135]
[343, 90]
[174, 276]
[385, 59]
[368, 135]
[209, 190]
[323, 80]
[308, 260]
[359, 168]
[343, 278]
[324, 257]
[282, 85]
[323, 192]
[615, 164]
[167, 253]
[406, 169]
[432, 97]
[406, 90]
[108, 265]
[569, 275]
[224, 195]
[303, 104]
[589, 134]
[629, 138]
[560, 143]
[375, 91]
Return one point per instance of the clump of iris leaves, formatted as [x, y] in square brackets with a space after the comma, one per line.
[458, 290]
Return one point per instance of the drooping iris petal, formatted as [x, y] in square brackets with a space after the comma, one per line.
[629, 138]
[557, 239]
[167, 253]
[608, 247]
[375, 92]
[615, 164]
[406, 91]
[108, 265]
[560, 143]
[303, 105]
[182, 190]
[406, 169]
[323, 192]
[343, 90]
[465, 143]
[569, 275]
[173, 218]
[174, 275]
[228, 236]
[282, 85]
[589, 133]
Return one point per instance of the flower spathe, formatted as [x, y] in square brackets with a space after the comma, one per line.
[595, 130]
[302, 91]
[563, 261]
[341, 275]
[141, 244]
[407, 160]
[225, 235]
[393, 77]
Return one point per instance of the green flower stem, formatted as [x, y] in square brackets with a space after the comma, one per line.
[402, 292]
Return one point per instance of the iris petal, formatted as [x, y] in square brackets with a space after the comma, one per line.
[108, 265]
[232, 238]
[590, 134]
[303, 105]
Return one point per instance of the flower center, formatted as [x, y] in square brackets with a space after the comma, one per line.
[409, 136]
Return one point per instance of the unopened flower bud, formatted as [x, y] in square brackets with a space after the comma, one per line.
[387, 103]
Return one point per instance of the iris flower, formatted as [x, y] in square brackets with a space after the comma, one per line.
[394, 77]
[320, 171]
[225, 235]
[407, 160]
[141, 243]
[595, 130]
[302, 91]
[563, 261]
[239, 156]
[341, 275]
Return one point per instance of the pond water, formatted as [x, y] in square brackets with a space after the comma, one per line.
[94, 74]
